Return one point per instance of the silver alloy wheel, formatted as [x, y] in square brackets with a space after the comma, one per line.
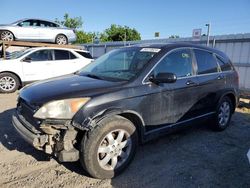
[224, 113]
[7, 83]
[7, 36]
[61, 40]
[114, 149]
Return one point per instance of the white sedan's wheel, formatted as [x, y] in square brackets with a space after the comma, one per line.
[61, 40]
[7, 36]
[8, 83]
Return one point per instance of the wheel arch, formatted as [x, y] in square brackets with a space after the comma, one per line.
[9, 31]
[232, 96]
[63, 35]
[131, 115]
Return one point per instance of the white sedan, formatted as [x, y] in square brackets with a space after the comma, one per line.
[40, 63]
[37, 30]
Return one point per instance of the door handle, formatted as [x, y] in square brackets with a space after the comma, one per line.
[190, 82]
[220, 77]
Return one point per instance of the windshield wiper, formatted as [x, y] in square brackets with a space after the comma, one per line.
[94, 76]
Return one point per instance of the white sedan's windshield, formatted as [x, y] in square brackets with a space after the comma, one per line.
[122, 64]
[16, 55]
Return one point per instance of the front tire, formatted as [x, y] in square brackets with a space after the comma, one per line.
[9, 83]
[223, 115]
[109, 148]
[7, 36]
[61, 40]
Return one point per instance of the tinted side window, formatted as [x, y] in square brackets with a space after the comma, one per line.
[178, 62]
[71, 56]
[25, 23]
[225, 66]
[63, 55]
[206, 62]
[85, 54]
[41, 55]
[47, 24]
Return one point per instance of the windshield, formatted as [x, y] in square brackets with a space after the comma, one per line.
[122, 64]
[17, 54]
[16, 22]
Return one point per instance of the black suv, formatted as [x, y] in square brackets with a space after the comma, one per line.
[128, 96]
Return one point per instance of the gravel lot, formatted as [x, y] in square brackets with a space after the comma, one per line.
[194, 157]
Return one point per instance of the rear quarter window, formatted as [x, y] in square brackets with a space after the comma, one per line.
[224, 65]
[206, 62]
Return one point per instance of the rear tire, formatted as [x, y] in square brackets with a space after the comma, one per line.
[61, 39]
[223, 115]
[9, 83]
[109, 148]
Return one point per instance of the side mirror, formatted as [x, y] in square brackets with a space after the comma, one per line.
[27, 59]
[163, 78]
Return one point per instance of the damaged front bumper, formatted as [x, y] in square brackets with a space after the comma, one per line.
[52, 139]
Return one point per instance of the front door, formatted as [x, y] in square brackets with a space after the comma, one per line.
[173, 101]
[37, 65]
[29, 30]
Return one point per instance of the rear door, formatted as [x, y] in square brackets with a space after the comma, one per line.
[65, 62]
[37, 65]
[47, 30]
[211, 80]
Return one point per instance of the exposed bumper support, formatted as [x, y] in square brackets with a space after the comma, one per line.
[63, 149]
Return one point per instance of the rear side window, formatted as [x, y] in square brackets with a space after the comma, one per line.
[206, 62]
[225, 66]
[85, 54]
[63, 55]
[47, 24]
[178, 62]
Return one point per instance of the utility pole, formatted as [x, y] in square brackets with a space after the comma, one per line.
[208, 32]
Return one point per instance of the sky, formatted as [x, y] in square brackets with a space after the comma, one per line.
[169, 17]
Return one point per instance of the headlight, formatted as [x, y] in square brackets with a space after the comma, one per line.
[61, 109]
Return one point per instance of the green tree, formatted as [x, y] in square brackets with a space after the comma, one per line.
[84, 37]
[120, 33]
[74, 23]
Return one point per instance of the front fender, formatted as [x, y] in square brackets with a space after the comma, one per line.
[89, 122]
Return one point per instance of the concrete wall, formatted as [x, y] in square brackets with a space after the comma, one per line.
[237, 47]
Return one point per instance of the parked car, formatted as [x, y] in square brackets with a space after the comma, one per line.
[40, 63]
[127, 96]
[37, 30]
